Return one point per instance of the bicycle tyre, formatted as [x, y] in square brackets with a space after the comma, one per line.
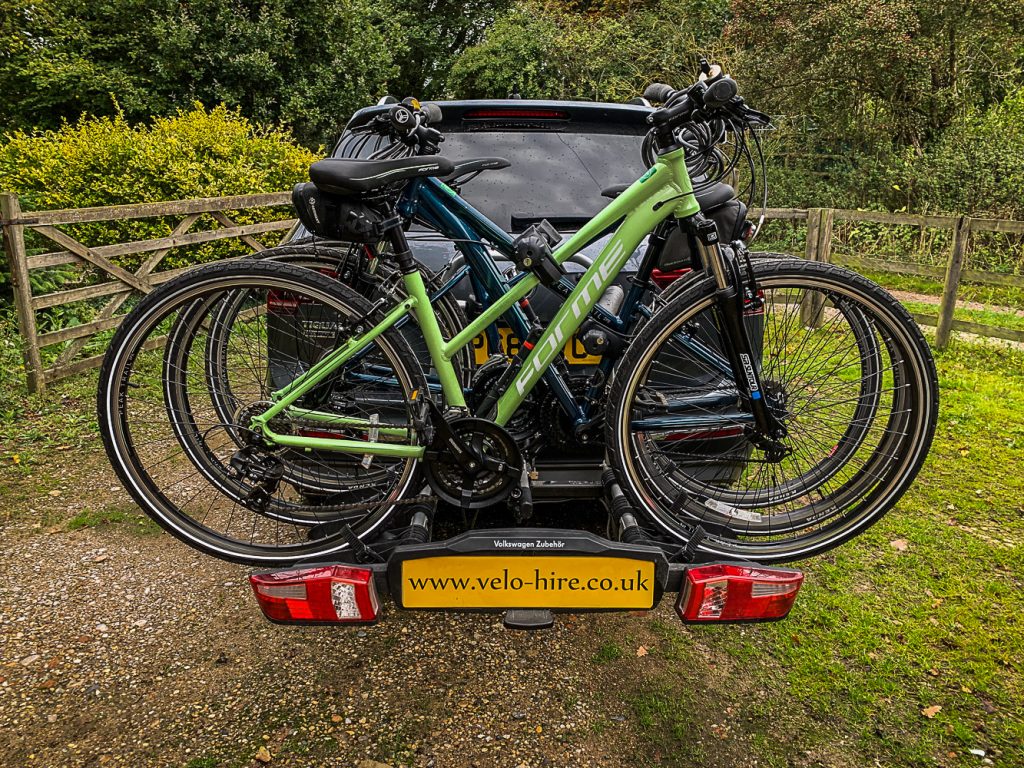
[117, 390]
[858, 499]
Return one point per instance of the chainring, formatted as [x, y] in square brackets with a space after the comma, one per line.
[498, 465]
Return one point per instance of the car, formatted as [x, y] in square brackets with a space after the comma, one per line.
[565, 160]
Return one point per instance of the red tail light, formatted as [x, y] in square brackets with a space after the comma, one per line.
[329, 594]
[727, 592]
[282, 302]
[286, 302]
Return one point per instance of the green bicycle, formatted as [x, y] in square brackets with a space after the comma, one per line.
[772, 408]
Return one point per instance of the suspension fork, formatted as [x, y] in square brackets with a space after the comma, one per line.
[728, 313]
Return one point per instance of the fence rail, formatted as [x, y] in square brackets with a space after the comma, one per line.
[121, 284]
[820, 224]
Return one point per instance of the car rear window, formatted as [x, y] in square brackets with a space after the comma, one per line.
[557, 173]
[553, 173]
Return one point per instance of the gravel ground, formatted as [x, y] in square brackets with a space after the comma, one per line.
[128, 652]
[119, 646]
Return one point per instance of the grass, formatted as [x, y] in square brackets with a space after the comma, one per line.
[983, 316]
[880, 636]
[33, 427]
[995, 295]
[607, 653]
[131, 518]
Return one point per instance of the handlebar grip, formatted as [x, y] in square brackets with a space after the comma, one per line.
[720, 93]
[659, 92]
[432, 112]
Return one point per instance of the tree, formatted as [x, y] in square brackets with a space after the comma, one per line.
[871, 73]
[437, 32]
[307, 64]
[606, 49]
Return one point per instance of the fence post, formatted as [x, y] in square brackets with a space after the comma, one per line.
[14, 247]
[819, 248]
[813, 225]
[954, 268]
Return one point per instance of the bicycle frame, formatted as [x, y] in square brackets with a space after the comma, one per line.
[662, 191]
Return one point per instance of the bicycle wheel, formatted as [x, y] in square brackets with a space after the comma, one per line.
[844, 368]
[205, 478]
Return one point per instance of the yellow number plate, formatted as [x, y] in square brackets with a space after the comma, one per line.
[574, 352]
[502, 581]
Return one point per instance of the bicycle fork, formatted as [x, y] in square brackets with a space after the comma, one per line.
[730, 305]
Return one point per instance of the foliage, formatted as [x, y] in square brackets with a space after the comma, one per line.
[875, 97]
[877, 103]
[11, 364]
[107, 161]
[442, 29]
[306, 64]
[606, 51]
[977, 165]
[867, 72]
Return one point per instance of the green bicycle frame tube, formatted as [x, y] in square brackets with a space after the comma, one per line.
[661, 192]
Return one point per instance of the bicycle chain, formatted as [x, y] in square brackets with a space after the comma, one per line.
[412, 500]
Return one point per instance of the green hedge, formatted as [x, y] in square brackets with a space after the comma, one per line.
[106, 161]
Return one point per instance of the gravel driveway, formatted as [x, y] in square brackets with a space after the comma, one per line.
[120, 649]
[120, 646]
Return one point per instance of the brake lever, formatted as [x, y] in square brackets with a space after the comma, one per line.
[759, 117]
[429, 140]
[739, 109]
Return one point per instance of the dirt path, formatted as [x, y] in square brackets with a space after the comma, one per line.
[121, 647]
[927, 298]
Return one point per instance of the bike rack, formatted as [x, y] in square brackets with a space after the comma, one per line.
[387, 556]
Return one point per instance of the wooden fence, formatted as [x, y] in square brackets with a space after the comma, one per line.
[820, 223]
[122, 284]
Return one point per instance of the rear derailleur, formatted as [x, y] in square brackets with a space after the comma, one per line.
[254, 464]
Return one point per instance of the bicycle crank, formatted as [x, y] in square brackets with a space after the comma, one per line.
[472, 463]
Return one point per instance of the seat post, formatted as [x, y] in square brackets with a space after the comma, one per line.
[400, 247]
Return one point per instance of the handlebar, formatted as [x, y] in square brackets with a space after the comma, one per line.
[658, 92]
[720, 93]
[432, 113]
[409, 122]
[713, 97]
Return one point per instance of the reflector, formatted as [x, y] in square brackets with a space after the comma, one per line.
[328, 594]
[733, 592]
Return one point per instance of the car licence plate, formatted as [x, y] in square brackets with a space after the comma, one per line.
[574, 352]
[567, 582]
